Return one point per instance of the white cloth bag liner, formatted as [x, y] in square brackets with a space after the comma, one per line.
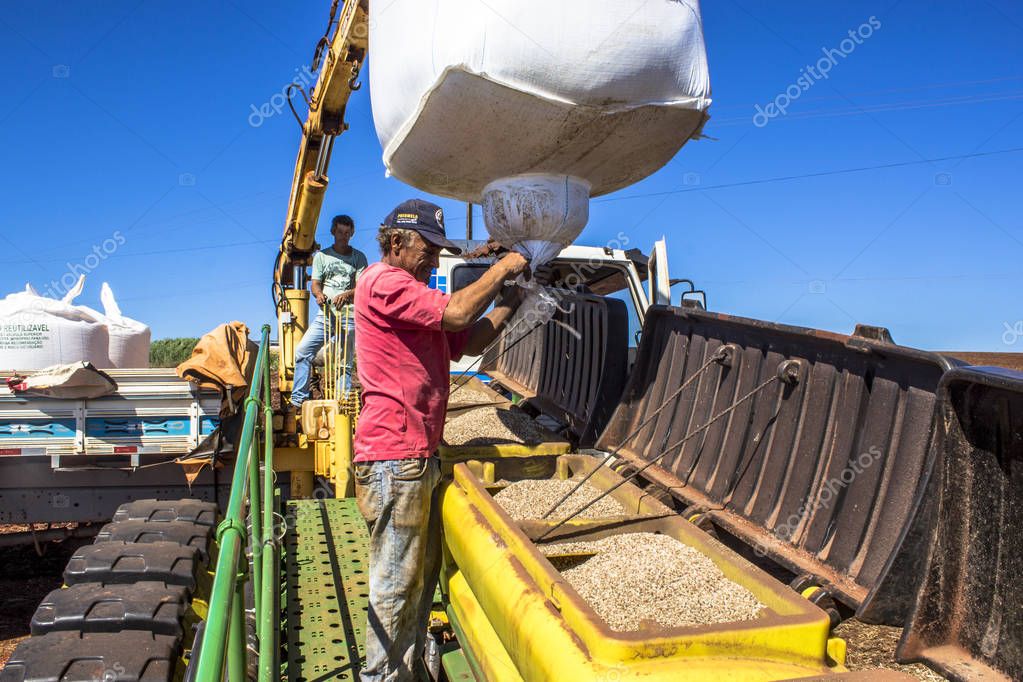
[38, 332]
[536, 214]
[466, 93]
[129, 339]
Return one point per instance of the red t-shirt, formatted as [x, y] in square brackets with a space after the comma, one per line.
[404, 363]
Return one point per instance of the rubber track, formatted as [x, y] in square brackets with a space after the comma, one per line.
[122, 615]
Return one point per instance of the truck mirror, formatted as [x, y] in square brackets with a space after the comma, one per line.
[693, 297]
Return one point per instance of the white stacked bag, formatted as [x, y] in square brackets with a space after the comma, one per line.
[532, 107]
[129, 339]
[38, 332]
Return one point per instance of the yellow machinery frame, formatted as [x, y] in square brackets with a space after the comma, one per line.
[340, 60]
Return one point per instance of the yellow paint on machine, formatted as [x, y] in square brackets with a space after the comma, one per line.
[462, 453]
[492, 658]
[513, 607]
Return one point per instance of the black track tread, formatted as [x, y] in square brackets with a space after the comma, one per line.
[132, 656]
[194, 511]
[91, 607]
[118, 562]
[182, 532]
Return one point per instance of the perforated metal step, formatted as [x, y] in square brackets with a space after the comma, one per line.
[194, 511]
[326, 555]
[91, 607]
[111, 657]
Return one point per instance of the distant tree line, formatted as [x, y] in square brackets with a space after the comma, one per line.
[171, 352]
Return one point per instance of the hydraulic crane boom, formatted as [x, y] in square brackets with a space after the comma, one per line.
[339, 58]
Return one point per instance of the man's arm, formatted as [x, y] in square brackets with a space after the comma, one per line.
[466, 305]
[316, 279]
[487, 328]
[316, 287]
[348, 296]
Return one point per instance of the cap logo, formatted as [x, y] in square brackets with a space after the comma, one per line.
[406, 219]
[439, 215]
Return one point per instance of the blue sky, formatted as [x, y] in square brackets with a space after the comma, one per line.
[128, 151]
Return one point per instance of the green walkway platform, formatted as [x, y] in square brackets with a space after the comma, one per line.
[326, 559]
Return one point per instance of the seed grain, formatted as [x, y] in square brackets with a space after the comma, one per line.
[531, 499]
[494, 426]
[648, 580]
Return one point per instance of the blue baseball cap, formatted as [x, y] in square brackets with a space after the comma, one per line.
[425, 218]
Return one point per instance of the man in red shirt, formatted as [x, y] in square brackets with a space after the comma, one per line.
[407, 335]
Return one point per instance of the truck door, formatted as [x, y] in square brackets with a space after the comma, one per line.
[658, 281]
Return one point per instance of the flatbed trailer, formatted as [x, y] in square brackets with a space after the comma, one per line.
[77, 460]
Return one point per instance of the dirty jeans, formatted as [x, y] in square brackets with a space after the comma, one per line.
[311, 343]
[398, 498]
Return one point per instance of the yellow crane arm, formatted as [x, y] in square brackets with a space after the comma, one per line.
[339, 59]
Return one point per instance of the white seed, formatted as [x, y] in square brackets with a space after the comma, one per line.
[494, 426]
[649, 581]
[471, 396]
[531, 499]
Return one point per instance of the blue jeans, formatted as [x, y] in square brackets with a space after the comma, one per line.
[311, 343]
[399, 499]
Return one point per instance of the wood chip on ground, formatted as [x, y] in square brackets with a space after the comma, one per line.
[649, 580]
[494, 426]
[531, 499]
[869, 647]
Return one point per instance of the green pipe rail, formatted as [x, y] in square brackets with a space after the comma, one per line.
[223, 637]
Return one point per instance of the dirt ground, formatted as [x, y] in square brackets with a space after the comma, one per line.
[25, 578]
[873, 646]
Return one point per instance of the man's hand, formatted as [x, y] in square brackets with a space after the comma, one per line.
[514, 264]
[321, 298]
[343, 298]
[544, 275]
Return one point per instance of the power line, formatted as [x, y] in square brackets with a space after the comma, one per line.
[158, 252]
[818, 174]
[888, 91]
[196, 292]
[871, 108]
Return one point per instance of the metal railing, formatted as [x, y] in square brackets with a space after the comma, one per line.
[223, 636]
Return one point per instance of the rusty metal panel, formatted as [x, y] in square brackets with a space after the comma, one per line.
[577, 378]
[968, 615]
[822, 475]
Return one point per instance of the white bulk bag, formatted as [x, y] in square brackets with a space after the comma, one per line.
[38, 332]
[466, 92]
[129, 339]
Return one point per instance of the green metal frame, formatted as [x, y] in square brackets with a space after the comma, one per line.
[224, 635]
